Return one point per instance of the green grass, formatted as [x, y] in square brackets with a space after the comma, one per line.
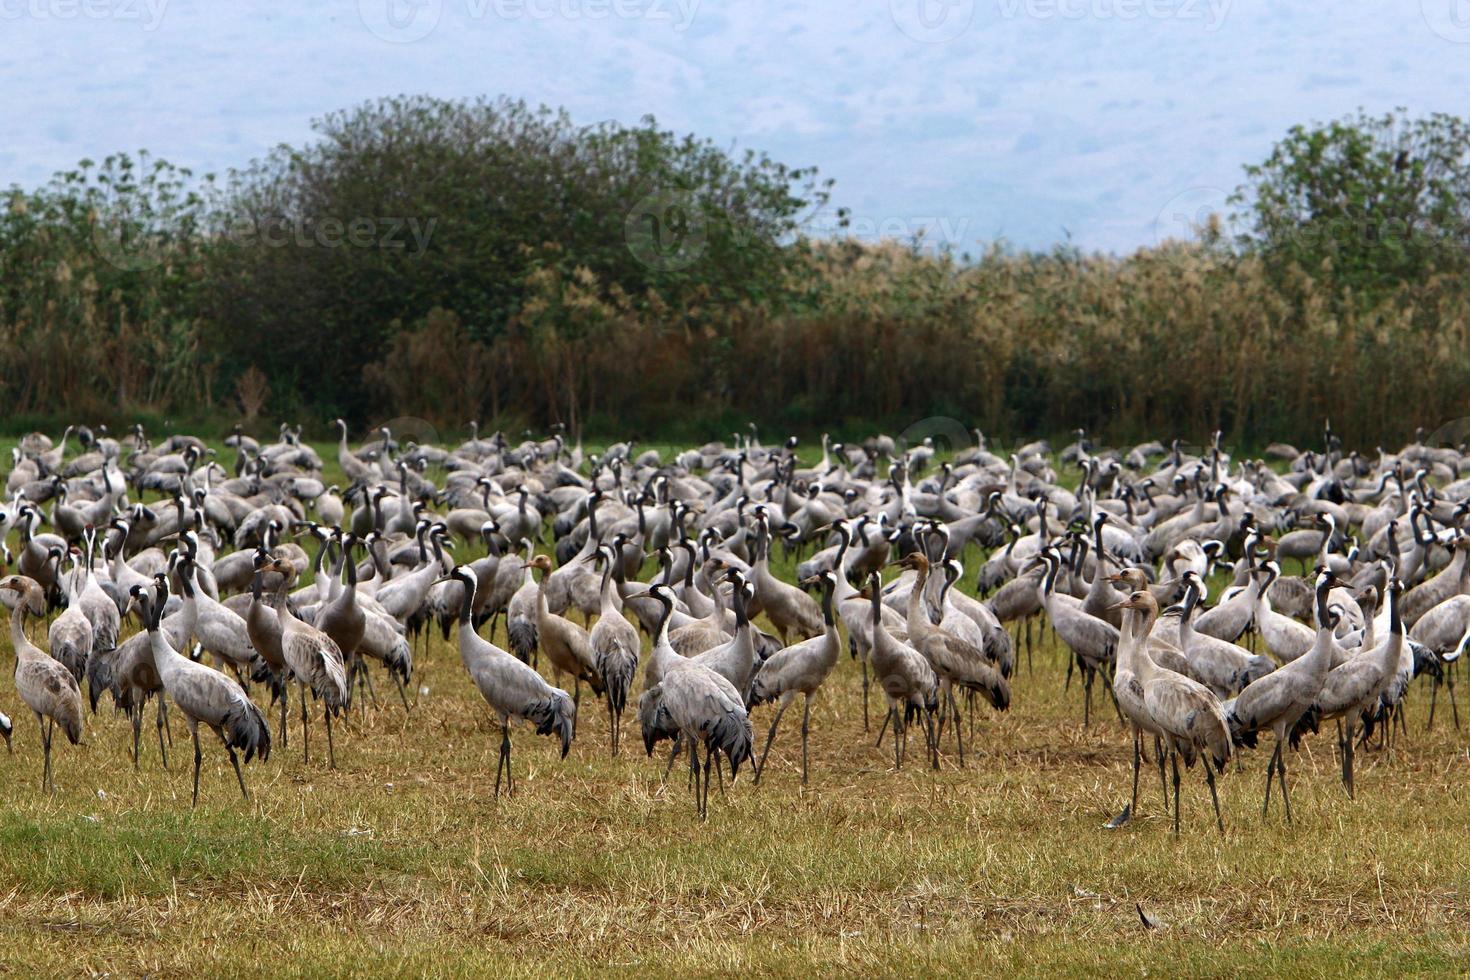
[401, 862]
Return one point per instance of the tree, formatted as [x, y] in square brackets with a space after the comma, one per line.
[99, 274]
[407, 205]
[1371, 201]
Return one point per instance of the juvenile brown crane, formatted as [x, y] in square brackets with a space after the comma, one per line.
[47, 687]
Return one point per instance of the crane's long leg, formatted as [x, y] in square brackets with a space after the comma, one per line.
[576, 703]
[1137, 759]
[760, 766]
[694, 777]
[161, 723]
[1347, 758]
[46, 748]
[285, 706]
[806, 718]
[1270, 771]
[709, 754]
[240, 776]
[163, 713]
[942, 716]
[349, 666]
[198, 757]
[1450, 687]
[1281, 775]
[958, 722]
[673, 754]
[1214, 794]
[331, 750]
[510, 773]
[865, 699]
[886, 719]
[305, 723]
[1087, 677]
[1174, 758]
[1163, 781]
[612, 728]
[135, 715]
[897, 738]
[500, 760]
[931, 738]
[1433, 699]
[367, 679]
[934, 739]
[503, 766]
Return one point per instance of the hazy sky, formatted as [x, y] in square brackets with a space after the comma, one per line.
[1112, 121]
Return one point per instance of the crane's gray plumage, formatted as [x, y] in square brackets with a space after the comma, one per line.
[47, 687]
[799, 669]
[205, 695]
[512, 689]
[615, 649]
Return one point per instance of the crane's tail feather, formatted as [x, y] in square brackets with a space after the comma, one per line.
[1241, 732]
[245, 728]
[653, 718]
[617, 668]
[399, 659]
[732, 734]
[1001, 651]
[99, 678]
[1310, 723]
[556, 715]
[262, 673]
[523, 638]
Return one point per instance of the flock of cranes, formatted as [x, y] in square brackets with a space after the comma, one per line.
[205, 553]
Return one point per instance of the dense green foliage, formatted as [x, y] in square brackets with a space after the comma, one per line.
[487, 259]
[405, 205]
[1367, 201]
[101, 285]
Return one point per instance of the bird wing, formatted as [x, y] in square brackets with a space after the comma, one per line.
[1184, 708]
[315, 660]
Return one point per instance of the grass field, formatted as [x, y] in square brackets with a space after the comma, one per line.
[401, 862]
